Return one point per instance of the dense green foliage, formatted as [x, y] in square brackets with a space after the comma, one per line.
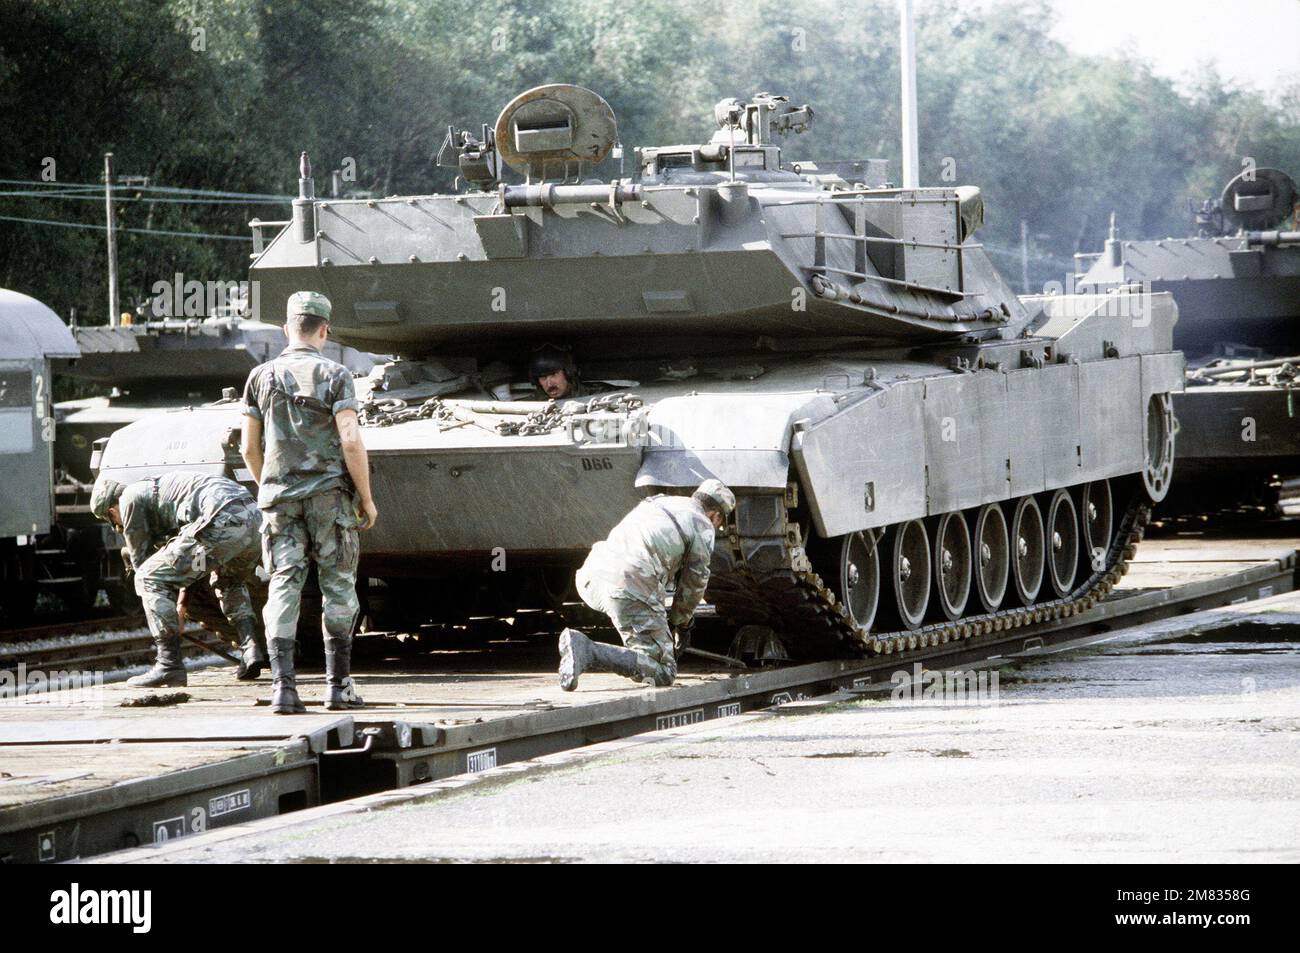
[1055, 139]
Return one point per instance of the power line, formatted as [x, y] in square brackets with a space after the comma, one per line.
[57, 188]
[91, 197]
[1015, 253]
[136, 231]
[164, 189]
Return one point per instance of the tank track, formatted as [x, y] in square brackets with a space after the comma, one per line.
[803, 609]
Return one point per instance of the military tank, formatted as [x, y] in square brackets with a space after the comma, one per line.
[1237, 285]
[918, 454]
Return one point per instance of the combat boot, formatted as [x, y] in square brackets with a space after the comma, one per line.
[168, 671]
[340, 690]
[580, 654]
[252, 650]
[284, 683]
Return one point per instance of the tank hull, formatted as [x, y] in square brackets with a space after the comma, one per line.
[817, 447]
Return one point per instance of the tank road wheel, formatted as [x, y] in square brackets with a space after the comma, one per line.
[992, 557]
[1098, 523]
[952, 565]
[1159, 467]
[1028, 550]
[1063, 539]
[859, 578]
[910, 573]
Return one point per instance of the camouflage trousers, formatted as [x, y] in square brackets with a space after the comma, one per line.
[322, 529]
[642, 627]
[224, 551]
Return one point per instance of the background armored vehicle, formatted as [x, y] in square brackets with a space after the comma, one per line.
[918, 454]
[51, 542]
[1237, 284]
[31, 337]
[141, 368]
[150, 365]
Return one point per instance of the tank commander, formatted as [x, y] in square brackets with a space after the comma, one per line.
[555, 374]
[208, 525]
[626, 576]
[302, 442]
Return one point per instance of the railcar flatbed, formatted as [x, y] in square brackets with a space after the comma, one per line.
[98, 772]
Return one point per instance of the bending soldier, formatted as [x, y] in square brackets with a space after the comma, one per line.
[302, 442]
[211, 527]
[626, 576]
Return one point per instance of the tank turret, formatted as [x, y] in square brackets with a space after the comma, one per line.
[1237, 280]
[720, 239]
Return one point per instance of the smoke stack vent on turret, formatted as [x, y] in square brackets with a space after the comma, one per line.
[1114, 251]
[304, 206]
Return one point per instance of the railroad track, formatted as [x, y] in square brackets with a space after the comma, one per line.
[54, 630]
[113, 650]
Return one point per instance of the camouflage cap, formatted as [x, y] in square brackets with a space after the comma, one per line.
[718, 492]
[308, 302]
[105, 495]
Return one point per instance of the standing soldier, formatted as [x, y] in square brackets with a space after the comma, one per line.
[302, 442]
[626, 576]
[211, 527]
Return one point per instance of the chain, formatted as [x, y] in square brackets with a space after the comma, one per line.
[385, 412]
[556, 413]
[538, 422]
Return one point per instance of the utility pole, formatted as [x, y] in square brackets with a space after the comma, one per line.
[1024, 257]
[907, 68]
[113, 311]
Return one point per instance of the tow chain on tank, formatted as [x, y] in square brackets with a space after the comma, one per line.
[384, 412]
[808, 610]
[554, 414]
[619, 403]
[538, 422]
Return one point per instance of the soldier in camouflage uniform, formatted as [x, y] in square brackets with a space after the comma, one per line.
[207, 526]
[626, 576]
[302, 442]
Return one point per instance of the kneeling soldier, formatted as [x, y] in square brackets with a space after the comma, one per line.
[208, 526]
[626, 576]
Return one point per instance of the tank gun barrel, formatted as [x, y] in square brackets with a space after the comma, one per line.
[546, 195]
[1273, 238]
